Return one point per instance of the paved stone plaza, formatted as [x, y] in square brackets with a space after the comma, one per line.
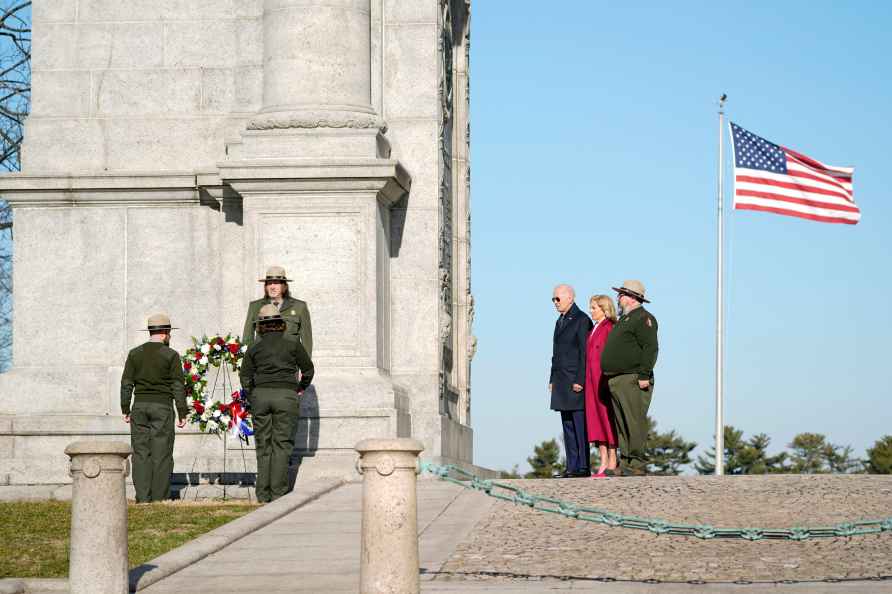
[516, 544]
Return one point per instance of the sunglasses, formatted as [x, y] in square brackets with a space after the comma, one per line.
[556, 299]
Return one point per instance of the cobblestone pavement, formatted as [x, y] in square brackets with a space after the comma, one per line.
[516, 544]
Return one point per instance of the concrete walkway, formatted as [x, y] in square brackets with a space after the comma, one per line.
[316, 548]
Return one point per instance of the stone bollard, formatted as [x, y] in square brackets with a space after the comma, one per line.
[98, 560]
[389, 559]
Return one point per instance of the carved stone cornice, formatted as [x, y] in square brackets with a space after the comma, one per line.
[316, 119]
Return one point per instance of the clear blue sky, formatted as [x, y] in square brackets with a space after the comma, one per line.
[594, 150]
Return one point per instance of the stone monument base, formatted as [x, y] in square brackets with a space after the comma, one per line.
[32, 446]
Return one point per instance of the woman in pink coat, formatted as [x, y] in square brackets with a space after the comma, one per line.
[597, 397]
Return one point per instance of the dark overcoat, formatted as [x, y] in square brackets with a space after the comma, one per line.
[568, 360]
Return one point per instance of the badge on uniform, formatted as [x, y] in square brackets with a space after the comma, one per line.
[293, 313]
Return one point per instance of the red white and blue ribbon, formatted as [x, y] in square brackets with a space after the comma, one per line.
[239, 425]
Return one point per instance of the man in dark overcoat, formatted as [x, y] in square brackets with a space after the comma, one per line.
[568, 378]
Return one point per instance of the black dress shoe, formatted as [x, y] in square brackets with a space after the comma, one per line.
[581, 473]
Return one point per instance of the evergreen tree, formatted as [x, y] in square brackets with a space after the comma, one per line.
[546, 460]
[510, 474]
[743, 456]
[666, 452]
[808, 453]
[813, 454]
[733, 442]
[840, 460]
[754, 458]
[879, 457]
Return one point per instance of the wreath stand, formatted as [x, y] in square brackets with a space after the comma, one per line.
[223, 378]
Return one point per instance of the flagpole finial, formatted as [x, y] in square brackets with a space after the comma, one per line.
[722, 100]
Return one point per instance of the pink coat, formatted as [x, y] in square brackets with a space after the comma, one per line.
[598, 411]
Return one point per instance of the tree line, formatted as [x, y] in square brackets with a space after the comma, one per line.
[669, 453]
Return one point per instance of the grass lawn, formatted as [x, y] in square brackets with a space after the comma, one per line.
[34, 534]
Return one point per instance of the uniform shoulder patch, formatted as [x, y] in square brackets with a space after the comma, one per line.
[649, 322]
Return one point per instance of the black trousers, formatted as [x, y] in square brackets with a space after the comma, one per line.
[575, 440]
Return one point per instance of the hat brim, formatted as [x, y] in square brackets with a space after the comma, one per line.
[631, 293]
[269, 280]
[269, 320]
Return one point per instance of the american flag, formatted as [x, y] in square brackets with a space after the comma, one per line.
[773, 178]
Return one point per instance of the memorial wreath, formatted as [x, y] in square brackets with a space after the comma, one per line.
[211, 415]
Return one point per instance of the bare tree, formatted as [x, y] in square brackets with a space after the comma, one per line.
[15, 102]
[5, 286]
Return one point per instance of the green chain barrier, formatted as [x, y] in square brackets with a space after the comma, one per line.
[518, 496]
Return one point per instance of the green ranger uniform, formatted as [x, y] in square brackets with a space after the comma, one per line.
[268, 374]
[155, 370]
[630, 355]
[295, 314]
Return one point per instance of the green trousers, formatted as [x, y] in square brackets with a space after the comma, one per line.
[151, 437]
[630, 404]
[275, 412]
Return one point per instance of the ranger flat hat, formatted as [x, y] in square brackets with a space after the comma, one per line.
[632, 288]
[268, 313]
[158, 322]
[275, 273]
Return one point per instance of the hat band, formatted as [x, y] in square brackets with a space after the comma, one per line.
[161, 327]
[633, 294]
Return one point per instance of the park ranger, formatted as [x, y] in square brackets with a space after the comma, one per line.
[156, 372]
[628, 362]
[269, 376]
[294, 311]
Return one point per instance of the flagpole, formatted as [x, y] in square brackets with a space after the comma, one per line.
[720, 310]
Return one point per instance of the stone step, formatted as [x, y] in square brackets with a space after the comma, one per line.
[201, 492]
[32, 449]
[103, 425]
[186, 482]
[188, 469]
